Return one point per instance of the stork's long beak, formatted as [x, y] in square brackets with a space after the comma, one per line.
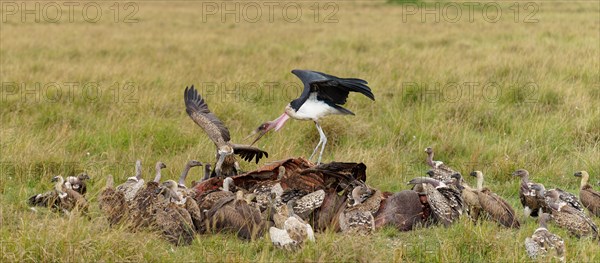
[267, 126]
[261, 132]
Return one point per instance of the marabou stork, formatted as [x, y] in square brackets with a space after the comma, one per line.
[322, 95]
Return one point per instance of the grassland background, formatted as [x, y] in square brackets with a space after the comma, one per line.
[545, 116]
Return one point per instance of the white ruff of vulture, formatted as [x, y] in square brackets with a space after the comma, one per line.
[439, 171]
[543, 242]
[77, 183]
[590, 198]
[496, 207]
[133, 184]
[290, 231]
[323, 95]
[226, 164]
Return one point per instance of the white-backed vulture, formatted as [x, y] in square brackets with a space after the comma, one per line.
[112, 203]
[530, 201]
[589, 197]
[143, 205]
[234, 214]
[496, 207]
[133, 184]
[439, 171]
[543, 242]
[78, 183]
[290, 231]
[445, 201]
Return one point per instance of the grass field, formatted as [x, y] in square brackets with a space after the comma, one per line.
[492, 93]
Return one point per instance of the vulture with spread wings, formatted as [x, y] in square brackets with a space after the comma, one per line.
[226, 164]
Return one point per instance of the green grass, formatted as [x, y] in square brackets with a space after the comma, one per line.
[534, 106]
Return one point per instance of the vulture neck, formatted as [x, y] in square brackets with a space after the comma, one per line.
[184, 174]
[226, 185]
[58, 186]
[110, 181]
[281, 172]
[585, 177]
[479, 182]
[430, 159]
[543, 222]
[525, 179]
[158, 175]
[138, 170]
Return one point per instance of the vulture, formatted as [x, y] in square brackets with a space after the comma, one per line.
[174, 221]
[403, 210]
[142, 207]
[226, 164]
[234, 214]
[77, 183]
[208, 199]
[496, 207]
[575, 221]
[357, 217]
[589, 197]
[112, 203]
[61, 199]
[186, 170]
[569, 198]
[439, 170]
[445, 200]
[187, 195]
[543, 242]
[531, 203]
[290, 231]
[269, 191]
[133, 184]
[306, 204]
[469, 196]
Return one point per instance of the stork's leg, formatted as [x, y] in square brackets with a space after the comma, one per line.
[318, 144]
[322, 141]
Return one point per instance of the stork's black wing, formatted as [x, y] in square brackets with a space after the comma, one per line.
[198, 110]
[249, 152]
[329, 88]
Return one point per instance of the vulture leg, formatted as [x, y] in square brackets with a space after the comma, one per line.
[322, 142]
